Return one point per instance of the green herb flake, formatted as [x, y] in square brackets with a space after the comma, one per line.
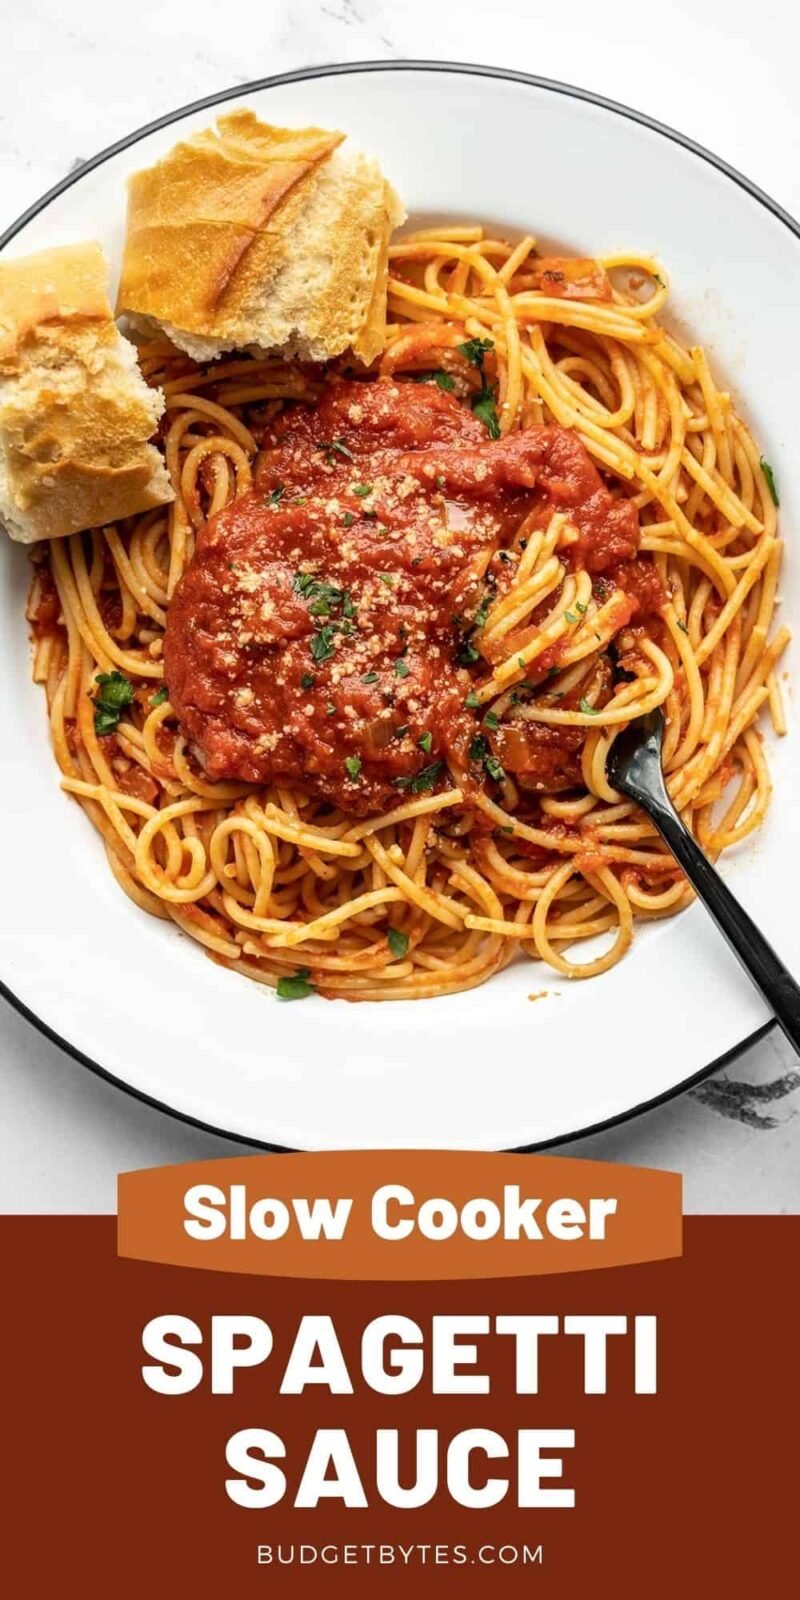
[307, 680]
[322, 646]
[588, 711]
[295, 988]
[352, 766]
[472, 702]
[444, 381]
[491, 720]
[338, 447]
[113, 693]
[361, 489]
[475, 350]
[105, 721]
[348, 519]
[387, 579]
[682, 626]
[485, 410]
[426, 778]
[160, 696]
[569, 616]
[400, 668]
[370, 677]
[580, 608]
[397, 941]
[277, 494]
[770, 477]
[483, 611]
[425, 742]
[439, 480]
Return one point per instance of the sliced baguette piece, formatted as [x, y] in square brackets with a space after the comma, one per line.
[75, 412]
[253, 237]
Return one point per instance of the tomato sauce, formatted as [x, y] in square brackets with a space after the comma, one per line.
[318, 636]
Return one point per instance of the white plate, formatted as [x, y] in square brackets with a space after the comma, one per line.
[138, 1001]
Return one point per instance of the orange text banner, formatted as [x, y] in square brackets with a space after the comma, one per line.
[399, 1215]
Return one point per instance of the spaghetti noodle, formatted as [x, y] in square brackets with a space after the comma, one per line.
[438, 889]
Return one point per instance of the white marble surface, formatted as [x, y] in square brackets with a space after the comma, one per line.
[73, 79]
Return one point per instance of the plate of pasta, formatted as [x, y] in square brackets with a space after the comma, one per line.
[372, 479]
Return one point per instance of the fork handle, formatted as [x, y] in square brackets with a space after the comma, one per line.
[755, 953]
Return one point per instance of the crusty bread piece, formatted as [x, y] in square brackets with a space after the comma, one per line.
[75, 412]
[253, 237]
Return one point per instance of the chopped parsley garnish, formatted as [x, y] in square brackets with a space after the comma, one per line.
[770, 477]
[352, 766]
[475, 350]
[659, 280]
[580, 608]
[348, 519]
[324, 598]
[682, 626]
[472, 701]
[276, 495]
[387, 579]
[297, 987]
[588, 711]
[425, 742]
[443, 380]
[307, 680]
[113, 692]
[160, 696]
[569, 616]
[322, 646]
[479, 750]
[439, 480]
[467, 654]
[397, 941]
[361, 489]
[370, 677]
[486, 411]
[483, 610]
[337, 445]
[300, 500]
[422, 780]
[483, 403]
[491, 720]
[494, 767]
[400, 668]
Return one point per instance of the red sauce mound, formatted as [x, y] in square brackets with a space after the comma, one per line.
[314, 638]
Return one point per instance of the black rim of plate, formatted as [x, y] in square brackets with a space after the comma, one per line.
[341, 69]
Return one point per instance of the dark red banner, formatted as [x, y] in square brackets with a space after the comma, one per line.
[115, 1489]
